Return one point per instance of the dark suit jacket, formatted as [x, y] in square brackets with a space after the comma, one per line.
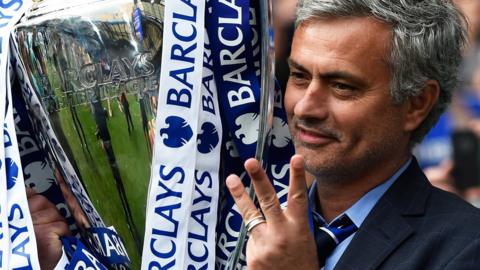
[416, 226]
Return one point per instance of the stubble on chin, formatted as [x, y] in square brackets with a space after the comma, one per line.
[336, 167]
[318, 162]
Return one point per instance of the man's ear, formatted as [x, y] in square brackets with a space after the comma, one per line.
[420, 106]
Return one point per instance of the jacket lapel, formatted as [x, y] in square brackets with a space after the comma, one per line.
[386, 227]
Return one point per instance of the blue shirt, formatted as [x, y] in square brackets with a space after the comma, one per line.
[358, 212]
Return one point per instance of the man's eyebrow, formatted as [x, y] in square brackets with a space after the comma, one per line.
[330, 75]
[293, 64]
[342, 75]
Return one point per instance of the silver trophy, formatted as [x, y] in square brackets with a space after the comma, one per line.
[94, 67]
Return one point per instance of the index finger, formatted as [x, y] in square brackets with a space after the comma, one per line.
[267, 197]
[247, 208]
[297, 191]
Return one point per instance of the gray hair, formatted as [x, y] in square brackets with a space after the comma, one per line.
[428, 37]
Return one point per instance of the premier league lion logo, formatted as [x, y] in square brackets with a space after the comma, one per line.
[12, 172]
[247, 130]
[280, 133]
[177, 132]
[230, 147]
[38, 176]
[208, 139]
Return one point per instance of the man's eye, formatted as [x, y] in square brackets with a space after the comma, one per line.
[299, 78]
[297, 75]
[343, 86]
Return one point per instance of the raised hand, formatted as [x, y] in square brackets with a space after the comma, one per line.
[48, 225]
[284, 241]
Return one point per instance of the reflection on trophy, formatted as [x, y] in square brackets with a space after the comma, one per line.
[94, 66]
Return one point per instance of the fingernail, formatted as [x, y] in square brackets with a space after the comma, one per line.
[231, 181]
[252, 165]
[297, 162]
[255, 168]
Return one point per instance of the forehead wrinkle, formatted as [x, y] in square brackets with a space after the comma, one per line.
[345, 44]
[367, 34]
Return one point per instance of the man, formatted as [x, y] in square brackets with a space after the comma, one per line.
[368, 80]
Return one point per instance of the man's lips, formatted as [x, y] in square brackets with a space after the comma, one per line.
[314, 137]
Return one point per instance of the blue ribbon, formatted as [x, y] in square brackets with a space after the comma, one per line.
[234, 68]
[79, 256]
[230, 35]
[234, 32]
[137, 22]
[111, 250]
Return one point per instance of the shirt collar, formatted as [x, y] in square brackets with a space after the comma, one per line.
[359, 211]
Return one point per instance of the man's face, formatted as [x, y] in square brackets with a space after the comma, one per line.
[338, 100]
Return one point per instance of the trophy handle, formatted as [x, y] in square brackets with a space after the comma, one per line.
[266, 108]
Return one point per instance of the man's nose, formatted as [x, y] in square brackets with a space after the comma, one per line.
[314, 102]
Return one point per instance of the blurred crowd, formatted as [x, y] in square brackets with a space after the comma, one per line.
[450, 153]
